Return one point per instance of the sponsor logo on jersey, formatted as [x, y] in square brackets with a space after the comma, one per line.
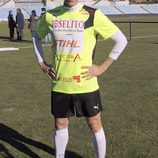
[57, 11]
[61, 24]
[67, 43]
[89, 11]
[68, 35]
[70, 79]
[96, 106]
[70, 58]
[83, 11]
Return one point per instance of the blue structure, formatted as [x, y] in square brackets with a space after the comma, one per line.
[5, 11]
[132, 9]
[37, 9]
[152, 8]
[108, 10]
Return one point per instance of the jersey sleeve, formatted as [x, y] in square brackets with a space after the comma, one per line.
[103, 26]
[43, 28]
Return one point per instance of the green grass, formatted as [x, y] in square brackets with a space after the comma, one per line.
[129, 91]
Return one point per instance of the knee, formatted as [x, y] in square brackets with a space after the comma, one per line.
[95, 127]
[94, 123]
[61, 123]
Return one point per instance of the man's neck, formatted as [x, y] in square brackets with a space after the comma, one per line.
[73, 8]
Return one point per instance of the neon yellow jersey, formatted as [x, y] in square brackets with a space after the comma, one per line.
[74, 39]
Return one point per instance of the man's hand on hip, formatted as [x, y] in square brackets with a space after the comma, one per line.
[48, 70]
[91, 71]
[96, 70]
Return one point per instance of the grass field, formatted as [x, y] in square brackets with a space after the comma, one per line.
[129, 91]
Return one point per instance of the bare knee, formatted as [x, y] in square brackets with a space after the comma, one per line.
[61, 123]
[94, 123]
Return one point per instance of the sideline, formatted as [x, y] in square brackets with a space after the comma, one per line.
[43, 45]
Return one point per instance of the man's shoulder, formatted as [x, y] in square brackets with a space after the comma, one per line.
[89, 9]
[56, 11]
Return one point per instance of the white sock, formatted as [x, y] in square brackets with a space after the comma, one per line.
[99, 143]
[61, 140]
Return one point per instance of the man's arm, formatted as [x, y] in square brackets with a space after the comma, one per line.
[46, 68]
[96, 70]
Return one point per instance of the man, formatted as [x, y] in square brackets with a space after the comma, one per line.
[11, 25]
[19, 24]
[75, 89]
[32, 22]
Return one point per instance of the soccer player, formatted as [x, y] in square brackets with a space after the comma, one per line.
[75, 89]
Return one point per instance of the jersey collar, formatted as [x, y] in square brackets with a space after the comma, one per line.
[74, 8]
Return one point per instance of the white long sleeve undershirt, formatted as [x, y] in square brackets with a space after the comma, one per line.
[120, 43]
[38, 48]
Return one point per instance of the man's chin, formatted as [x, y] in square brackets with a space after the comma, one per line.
[69, 4]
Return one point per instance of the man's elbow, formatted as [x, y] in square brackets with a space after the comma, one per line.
[125, 41]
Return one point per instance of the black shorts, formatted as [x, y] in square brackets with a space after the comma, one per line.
[84, 104]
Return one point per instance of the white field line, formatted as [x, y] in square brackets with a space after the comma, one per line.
[145, 36]
[135, 37]
[8, 49]
[45, 45]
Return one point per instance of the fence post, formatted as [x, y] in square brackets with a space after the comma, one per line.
[130, 30]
